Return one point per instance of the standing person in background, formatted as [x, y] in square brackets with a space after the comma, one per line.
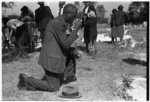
[113, 26]
[61, 6]
[42, 17]
[5, 33]
[27, 16]
[24, 33]
[6, 37]
[120, 20]
[90, 27]
[14, 25]
[54, 53]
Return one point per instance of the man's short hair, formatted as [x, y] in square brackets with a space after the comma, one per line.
[70, 9]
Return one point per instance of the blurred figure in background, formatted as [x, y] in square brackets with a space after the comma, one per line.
[43, 16]
[23, 32]
[26, 12]
[5, 33]
[90, 27]
[13, 24]
[113, 26]
[120, 20]
[6, 37]
[27, 17]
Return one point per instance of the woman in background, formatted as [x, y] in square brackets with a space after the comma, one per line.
[90, 27]
[113, 26]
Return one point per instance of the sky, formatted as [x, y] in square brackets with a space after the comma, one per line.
[109, 5]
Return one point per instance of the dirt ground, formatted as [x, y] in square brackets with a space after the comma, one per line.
[96, 73]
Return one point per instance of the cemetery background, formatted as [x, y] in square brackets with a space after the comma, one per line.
[101, 77]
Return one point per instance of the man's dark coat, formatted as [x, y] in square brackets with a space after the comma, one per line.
[55, 45]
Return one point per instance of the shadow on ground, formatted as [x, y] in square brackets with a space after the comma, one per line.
[133, 61]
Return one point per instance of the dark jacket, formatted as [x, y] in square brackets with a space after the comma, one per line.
[113, 20]
[120, 17]
[55, 45]
[42, 17]
[90, 25]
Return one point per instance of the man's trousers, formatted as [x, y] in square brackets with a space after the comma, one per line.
[52, 81]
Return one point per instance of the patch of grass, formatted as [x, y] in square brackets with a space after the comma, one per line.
[96, 73]
[139, 34]
[121, 90]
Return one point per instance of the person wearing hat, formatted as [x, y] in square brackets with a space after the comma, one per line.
[113, 26]
[26, 14]
[53, 55]
[43, 16]
[90, 26]
[22, 34]
[120, 20]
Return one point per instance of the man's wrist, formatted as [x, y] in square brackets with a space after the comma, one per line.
[75, 32]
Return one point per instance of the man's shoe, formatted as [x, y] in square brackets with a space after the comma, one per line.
[22, 81]
[70, 79]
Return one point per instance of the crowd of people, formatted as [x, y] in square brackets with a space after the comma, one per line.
[57, 56]
[21, 31]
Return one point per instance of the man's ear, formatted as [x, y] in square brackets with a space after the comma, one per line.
[66, 15]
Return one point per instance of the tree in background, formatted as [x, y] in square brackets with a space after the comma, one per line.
[100, 10]
[61, 4]
[8, 5]
[5, 6]
[144, 11]
[80, 7]
[138, 12]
